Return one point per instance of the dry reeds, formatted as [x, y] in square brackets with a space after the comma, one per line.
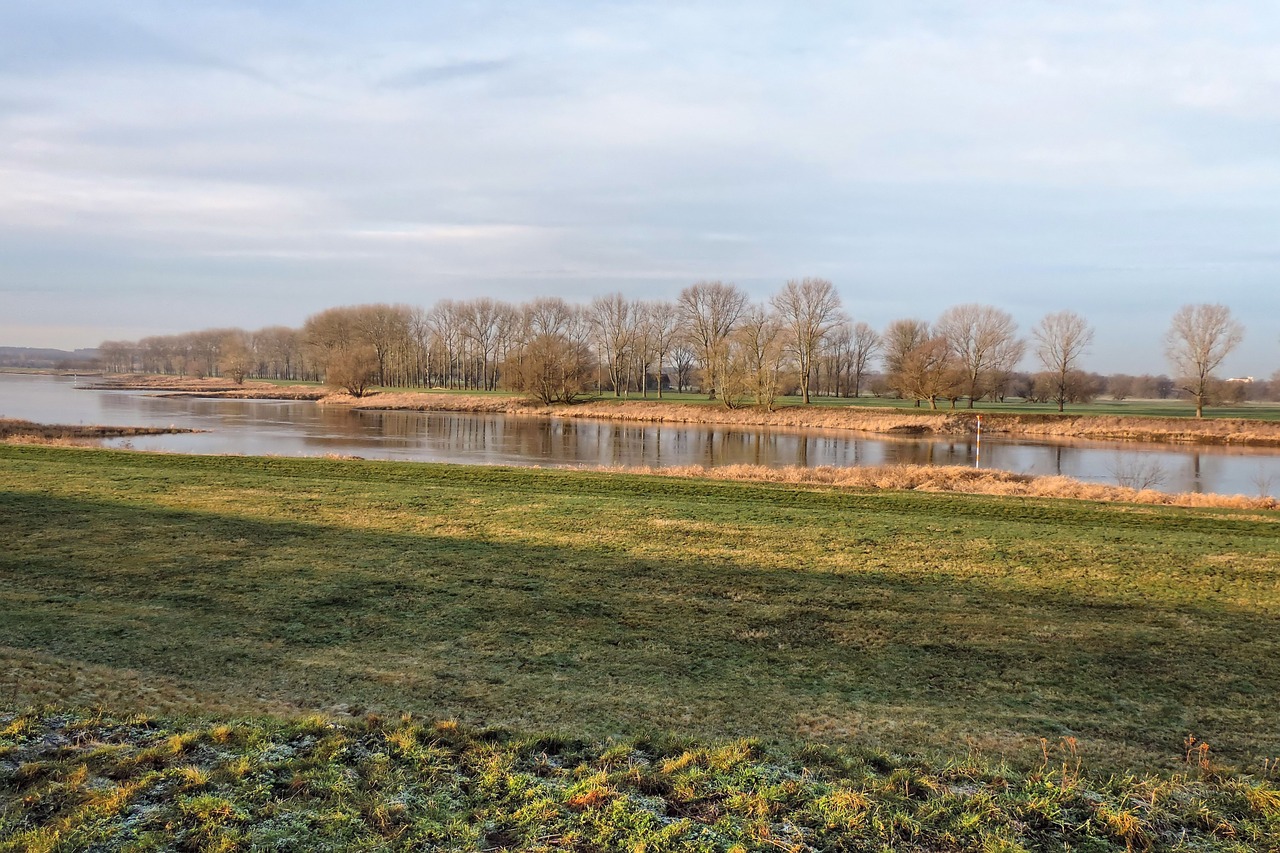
[936, 478]
[28, 432]
[192, 387]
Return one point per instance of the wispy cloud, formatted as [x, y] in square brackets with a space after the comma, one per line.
[432, 74]
[915, 154]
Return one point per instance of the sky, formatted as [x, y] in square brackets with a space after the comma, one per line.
[169, 166]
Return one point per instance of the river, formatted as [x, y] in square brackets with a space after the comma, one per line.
[286, 428]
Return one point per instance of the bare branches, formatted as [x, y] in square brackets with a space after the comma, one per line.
[1199, 338]
[809, 309]
[1061, 339]
[709, 311]
[985, 342]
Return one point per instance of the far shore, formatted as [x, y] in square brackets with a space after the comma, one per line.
[1135, 428]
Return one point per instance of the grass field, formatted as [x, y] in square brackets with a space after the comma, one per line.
[1136, 408]
[602, 604]
[1114, 408]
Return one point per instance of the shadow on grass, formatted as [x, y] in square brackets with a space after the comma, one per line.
[598, 644]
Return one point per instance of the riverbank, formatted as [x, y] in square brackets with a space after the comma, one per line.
[213, 388]
[20, 431]
[1235, 431]
[609, 604]
[895, 421]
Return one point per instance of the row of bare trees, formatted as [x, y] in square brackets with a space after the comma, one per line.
[713, 337]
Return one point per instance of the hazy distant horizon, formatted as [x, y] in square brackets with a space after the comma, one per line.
[170, 168]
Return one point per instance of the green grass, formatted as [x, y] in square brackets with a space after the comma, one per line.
[76, 782]
[606, 605]
[1117, 408]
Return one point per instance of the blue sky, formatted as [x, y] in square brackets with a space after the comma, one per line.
[168, 166]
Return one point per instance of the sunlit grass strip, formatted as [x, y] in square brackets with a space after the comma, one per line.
[75, 782]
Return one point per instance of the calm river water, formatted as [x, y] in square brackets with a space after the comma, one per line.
[266, 427]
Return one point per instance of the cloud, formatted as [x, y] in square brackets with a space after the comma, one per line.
[983, 152]
[429, 75]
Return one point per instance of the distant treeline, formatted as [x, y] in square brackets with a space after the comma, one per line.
[712, 339]
[41, 358]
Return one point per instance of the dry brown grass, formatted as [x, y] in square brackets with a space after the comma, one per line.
[28, 432]
[934, 478]
[891, 421]
[190, 386]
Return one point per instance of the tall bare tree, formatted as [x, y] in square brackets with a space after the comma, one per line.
[900, 339]
[1062, 338]
[865, 343]
[661, 327]
[481, 323]
[236, 358]
[386, 328]
[550, 360]
[930, 370]
[808, 309]
[1199, 338]
[757, 352]
[984, 341]
[615, 324]
[709, 312]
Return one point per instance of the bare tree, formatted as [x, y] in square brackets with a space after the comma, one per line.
[661, 326]
[865, 344]
[900, 339]
[808, 309]
[1061, 339]
[1199, 338]
[279, 348]
[930, 370]
[551, 359]
[445, 321]
[709, 311]
[386, 328]
[353, 369]
[236, 358]
[984, 341]
[757, 351]
[481, 319]
[615, 327]
[682, 359]
[328, 334]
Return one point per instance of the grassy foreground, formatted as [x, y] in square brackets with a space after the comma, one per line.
[76, 782]
[712, 665]
[608, 605]
[603, 604]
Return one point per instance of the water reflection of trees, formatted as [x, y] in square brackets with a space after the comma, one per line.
[291, 427]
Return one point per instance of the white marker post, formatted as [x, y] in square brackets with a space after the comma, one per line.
[977, 457]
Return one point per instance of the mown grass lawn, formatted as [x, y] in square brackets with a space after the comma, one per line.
[602, 605]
